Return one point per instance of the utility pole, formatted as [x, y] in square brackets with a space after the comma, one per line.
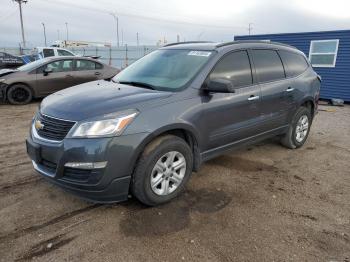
[66, 31]
[122, 37]
[58, 34]
[44, 33]
[250, 28]
[137, 39]
[178, 38]
[117, 21]
[21, 17]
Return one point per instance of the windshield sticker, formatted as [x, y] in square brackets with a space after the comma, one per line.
[199, 53]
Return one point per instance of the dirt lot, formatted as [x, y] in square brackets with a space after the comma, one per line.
[262, 203]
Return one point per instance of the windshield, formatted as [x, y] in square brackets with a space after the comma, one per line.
[32, 65]
[164, 69]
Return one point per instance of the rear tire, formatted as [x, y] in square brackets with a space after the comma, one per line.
[162, 171]
[299, 129]
[19, 94]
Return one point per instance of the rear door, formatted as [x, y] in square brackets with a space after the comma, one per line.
[230, 117]
[294, 64]
[272, 79]
[61, 77]
[87, 70]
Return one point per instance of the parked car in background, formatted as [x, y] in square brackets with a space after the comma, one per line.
[145, 131]
[46, 76]
[44, 52]
[10, 61]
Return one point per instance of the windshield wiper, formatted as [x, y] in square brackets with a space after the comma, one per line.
[138, 84]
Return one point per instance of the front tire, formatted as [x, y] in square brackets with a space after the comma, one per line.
[298, 130]
[162, 171]
[19, 94]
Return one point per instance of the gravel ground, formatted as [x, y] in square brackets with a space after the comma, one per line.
[261, 203]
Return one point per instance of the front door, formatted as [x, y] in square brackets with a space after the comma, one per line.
[230, 117]
[61, 76]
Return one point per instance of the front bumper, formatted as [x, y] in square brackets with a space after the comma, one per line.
[103, 185]
[3, 88]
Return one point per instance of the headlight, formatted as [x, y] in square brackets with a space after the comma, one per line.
[2, 80]
[106, 127]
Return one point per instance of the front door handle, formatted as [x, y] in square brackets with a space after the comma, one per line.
[97, 73]
[290, 89]
[253, 97]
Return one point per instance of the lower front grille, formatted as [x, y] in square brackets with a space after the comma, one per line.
[50, 166]
[53, 128]
[76, 174]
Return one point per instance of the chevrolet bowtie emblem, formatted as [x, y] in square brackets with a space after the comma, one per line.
[38, 125]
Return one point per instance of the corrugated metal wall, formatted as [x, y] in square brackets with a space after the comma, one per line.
[335, 81]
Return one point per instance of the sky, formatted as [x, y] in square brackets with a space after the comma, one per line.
[154, 20]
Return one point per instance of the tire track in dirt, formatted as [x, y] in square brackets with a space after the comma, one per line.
[5, 188]
[46, 246]
[24, 231]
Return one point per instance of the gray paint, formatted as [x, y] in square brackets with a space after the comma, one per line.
[216, 121]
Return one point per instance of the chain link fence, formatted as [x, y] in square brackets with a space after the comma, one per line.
[119, 57]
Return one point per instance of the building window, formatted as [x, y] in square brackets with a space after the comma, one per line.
[323, 53]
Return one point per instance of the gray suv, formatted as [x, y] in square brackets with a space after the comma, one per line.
[144, 132]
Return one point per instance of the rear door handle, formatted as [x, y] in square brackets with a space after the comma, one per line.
[97, 73]
[253, 97]
[290, 89]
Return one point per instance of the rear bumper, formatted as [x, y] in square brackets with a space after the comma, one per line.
[103, 185]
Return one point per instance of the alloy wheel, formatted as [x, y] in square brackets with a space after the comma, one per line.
[168, 173]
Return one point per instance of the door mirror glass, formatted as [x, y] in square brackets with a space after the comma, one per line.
[219, 85]
[47, 71]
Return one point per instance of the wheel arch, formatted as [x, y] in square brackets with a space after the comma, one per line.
[184, 131]
[309, 102]
[20, 83]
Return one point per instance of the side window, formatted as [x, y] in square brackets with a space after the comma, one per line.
[294, 64]
[234, 67]
[58, 66]
[98, 66]
[48, 52]
[62, 52]
[82, 65]
[268, 65]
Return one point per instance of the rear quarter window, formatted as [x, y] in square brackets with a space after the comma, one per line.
[294, 64]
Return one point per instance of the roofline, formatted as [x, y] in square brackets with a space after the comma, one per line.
[296, 33]
[188, 42]
[253, 42]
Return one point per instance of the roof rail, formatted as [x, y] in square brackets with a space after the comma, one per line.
[188, 42]
[253, 41]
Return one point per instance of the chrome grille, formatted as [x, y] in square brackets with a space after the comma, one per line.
[53, 128]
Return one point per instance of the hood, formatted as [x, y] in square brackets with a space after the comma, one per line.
[98, 98]
[4, 72]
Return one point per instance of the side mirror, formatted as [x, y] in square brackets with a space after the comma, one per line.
[47, 71]
[219, 85]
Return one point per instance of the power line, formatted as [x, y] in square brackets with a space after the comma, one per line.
[144, 17]
[3, 18]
